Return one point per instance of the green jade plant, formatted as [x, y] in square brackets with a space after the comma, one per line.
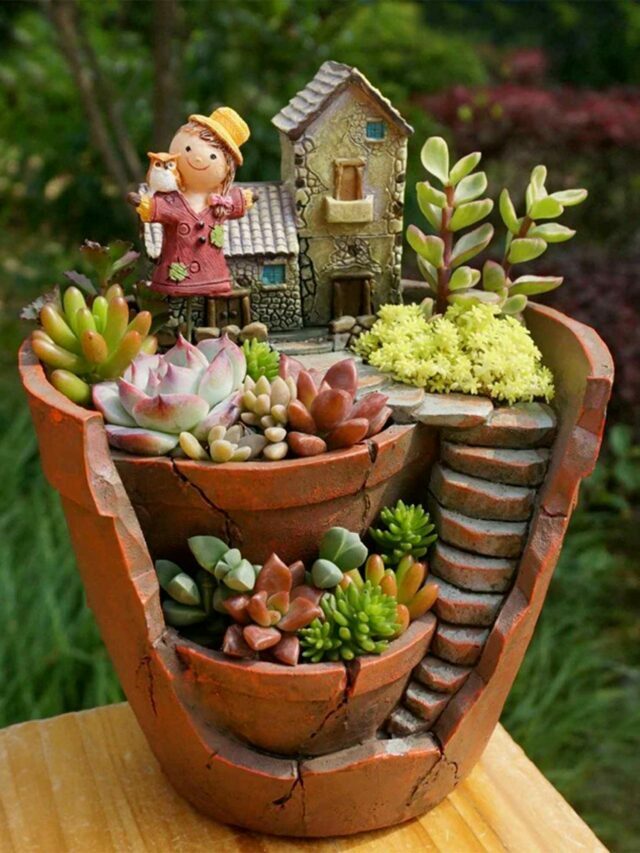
[457, 205]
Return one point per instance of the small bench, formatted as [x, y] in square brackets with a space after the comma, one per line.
[88, 783]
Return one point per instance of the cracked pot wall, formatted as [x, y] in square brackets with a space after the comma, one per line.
[363, 787]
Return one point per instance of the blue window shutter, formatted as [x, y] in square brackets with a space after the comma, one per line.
[375, 130]
[273, 274]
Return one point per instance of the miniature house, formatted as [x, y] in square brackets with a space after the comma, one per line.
[327, 240]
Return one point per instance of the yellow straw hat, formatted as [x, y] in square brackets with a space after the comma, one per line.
[228, 126]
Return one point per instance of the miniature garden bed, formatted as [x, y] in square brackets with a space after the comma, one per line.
[322, 763]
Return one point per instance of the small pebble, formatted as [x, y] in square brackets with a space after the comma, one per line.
[274, 452]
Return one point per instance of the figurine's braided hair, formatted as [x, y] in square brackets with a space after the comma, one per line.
[209, 136]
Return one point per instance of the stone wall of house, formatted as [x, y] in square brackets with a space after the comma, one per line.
[279, 306]
[373, 248]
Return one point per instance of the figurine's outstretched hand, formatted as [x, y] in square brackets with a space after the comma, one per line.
[134, 199]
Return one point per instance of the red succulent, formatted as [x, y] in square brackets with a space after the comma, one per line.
[267, 619]
[326, 415]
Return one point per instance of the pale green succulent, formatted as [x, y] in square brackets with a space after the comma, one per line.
[442, 259]
[340, 551]
[227, 565]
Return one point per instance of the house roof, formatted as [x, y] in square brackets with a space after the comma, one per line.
[269, 228]
[331, 79]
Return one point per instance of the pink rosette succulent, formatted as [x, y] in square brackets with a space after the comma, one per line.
[188, 389]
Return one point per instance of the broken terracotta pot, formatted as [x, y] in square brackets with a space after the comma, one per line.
[279, 507]
[495, 557]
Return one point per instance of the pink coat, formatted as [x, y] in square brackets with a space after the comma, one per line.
[192, 262]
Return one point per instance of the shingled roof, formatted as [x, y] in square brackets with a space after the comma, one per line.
[269, 228]
[331, 79]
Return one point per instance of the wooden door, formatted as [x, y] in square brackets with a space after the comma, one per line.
[349, 297]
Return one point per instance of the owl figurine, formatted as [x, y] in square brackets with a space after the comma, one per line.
[162, 177]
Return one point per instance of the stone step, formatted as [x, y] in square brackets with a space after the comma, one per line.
[514, 467]
[403, 399]
[461, 607]
[424, 703]
[402, 722]
[489, 538]
[441, 676]
[470, 571]
[481, 498]
[453, 410]
[459, 645]
[522, 425]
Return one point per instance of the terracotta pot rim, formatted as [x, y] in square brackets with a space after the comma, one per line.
[383, 437]
[217, 660]
[362, 447]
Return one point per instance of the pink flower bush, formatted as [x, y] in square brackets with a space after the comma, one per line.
[188, 389]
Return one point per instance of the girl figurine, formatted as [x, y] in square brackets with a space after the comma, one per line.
[191, 260]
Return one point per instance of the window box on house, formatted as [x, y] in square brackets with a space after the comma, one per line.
[355, 211]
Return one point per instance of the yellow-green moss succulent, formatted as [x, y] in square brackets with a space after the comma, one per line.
[470, 349]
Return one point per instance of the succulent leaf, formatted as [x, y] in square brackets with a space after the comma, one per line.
[470, 188]
[524, 249]
[435, 158]
[343, 547]
[463, 167]
[471, 244]
[428, 246]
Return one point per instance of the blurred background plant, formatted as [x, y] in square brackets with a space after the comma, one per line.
[526, 82]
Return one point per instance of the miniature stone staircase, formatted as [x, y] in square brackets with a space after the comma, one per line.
[481, 495]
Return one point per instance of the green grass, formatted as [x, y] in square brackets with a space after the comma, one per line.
[575, 707]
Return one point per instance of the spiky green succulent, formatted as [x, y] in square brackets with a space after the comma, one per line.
[262, 360]
[404, 529]
[357, 621]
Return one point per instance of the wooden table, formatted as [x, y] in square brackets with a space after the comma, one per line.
[87, 782]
